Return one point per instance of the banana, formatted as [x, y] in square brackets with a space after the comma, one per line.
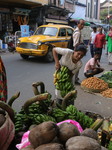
[62, 81]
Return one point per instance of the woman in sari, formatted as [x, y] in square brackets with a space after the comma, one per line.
[3, 82]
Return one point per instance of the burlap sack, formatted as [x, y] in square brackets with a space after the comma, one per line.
[7, 132]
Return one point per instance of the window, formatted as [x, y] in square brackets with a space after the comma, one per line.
[69, 32]
[62, 32]
[46, 31]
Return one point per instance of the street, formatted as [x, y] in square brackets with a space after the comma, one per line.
[22, 73]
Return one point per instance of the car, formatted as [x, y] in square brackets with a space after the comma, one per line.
[42, 41]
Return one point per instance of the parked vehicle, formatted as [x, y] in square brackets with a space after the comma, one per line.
[11, 45]
[39, 43]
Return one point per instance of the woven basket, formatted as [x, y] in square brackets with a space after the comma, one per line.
[92, 90]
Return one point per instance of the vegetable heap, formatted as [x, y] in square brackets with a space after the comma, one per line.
[107, 93]
[62, 81]
[37, 114]
[95, 84]
[107, 77]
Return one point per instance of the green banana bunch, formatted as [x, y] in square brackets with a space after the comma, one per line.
[39, 118]
[75, 114]
[59, 114]
[62, 81]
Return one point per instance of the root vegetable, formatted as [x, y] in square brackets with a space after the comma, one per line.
[50, 146]
[66, 131]
[28, 148]
[103, 148]
[82, 143]
[94, 83]
[90, 133]
[43, 133]
[107, 93]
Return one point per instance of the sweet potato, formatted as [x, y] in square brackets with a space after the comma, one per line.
[82, 143]
[50, 146]
[43, 133]
[90, 133]
[28, 148]
[66, 131]
[103, 148]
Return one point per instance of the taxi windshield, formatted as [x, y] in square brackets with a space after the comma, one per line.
[50, 31]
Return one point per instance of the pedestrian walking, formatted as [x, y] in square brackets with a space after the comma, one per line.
[3, 82]
[109, 45]
[100, 42]
[92, 67]
[70, 58]
[92, 39]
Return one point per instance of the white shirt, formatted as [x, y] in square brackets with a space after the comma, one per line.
[66, 59]
[93, 35]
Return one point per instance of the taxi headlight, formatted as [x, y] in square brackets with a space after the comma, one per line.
[39, 43]
[18, 41]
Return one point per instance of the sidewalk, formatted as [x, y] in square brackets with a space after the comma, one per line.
[92, 102]
[3, 51]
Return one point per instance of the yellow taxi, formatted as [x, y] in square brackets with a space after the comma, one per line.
[39, 44]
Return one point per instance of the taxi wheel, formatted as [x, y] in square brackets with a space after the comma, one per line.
[49, 56]
[24, 56]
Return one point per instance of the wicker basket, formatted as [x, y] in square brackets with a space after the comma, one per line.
[92, 90]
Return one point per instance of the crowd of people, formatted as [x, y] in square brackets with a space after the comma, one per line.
[72, 55]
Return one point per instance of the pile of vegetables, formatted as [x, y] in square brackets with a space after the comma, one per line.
[63, 81]
[40, 115]
[107, 93]
[94, 84]
[65, 136]
[107, 77]
[24, 120]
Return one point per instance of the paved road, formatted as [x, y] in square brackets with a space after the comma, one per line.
[21, 74]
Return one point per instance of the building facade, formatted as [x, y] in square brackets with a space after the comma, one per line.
[93, 11]
[33, 13]
[88, 10]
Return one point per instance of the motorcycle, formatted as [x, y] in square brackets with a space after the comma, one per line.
[11, 45]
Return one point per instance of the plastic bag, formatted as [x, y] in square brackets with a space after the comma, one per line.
[74, 123]
[25, 141]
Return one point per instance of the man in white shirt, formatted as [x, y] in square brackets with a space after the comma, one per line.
[77, 33]
[91, 42]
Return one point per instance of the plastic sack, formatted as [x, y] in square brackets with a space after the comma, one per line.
[74, 123]
[25, 141]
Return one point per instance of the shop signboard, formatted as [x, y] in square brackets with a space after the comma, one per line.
[24, 30]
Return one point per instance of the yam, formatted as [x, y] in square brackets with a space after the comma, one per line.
[90, 133]
[103, 148]
[2, 119]
[43, 133]
[66, 131]
[82, 143]
[28, 148]
[50, 146]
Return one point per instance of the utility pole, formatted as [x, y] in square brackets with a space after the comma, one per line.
[108, 13]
